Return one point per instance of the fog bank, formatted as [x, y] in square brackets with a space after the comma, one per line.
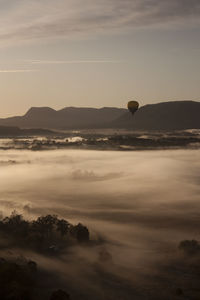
[141, 203]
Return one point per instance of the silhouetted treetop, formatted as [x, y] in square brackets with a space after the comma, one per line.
[190, 247]
[47, 234]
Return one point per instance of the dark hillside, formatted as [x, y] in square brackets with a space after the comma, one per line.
[162, 116]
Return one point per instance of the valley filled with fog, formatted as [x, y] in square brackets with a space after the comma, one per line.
[137, 205]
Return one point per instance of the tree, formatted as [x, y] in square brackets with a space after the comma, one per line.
[189, 247]
[81, 233]
[45, 224]
[62, 227]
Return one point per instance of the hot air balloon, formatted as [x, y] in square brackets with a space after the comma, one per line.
[133, 106]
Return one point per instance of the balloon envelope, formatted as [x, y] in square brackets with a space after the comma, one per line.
[133, 106]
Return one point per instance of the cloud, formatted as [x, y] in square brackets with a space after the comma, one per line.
[27, 20]
[41, 62]
[17, 71]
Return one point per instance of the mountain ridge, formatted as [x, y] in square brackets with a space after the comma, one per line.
[160, 116]
[66, 118]
[163, 116]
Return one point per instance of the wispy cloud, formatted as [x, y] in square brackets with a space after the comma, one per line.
[30, 19]
[17, 71]
[73, 61]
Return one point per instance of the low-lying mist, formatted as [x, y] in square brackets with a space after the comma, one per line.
[139, 204]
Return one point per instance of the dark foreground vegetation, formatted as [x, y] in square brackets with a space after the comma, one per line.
[173, 277]
[49, 235]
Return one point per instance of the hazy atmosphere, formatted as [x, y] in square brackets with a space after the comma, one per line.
[142, 204]
[97, 53]
[99, 149]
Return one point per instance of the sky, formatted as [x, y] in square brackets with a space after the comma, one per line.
[96, 53]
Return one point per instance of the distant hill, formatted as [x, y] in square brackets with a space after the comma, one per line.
[66, 118]
[160, 116]
[16, 131]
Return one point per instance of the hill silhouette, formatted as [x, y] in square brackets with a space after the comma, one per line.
[66, 118]
[161, 116]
